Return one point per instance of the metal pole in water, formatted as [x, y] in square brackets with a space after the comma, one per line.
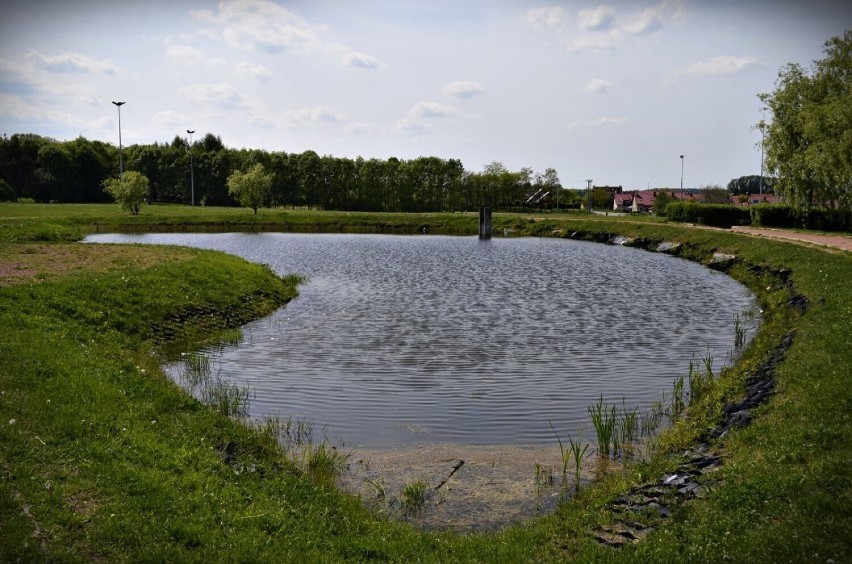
[484, 222]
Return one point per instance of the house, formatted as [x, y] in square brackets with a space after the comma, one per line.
[623, 202]
[642, 201]
[754, 199]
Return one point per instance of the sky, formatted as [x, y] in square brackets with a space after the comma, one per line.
[614, 92]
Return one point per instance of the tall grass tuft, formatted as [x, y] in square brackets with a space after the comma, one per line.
[700, 381]
[573, 452]
[678, 403]
[604, 420]
[629, 419]
[414, 494]
[739, 332]
[323, 462]
[226, 398]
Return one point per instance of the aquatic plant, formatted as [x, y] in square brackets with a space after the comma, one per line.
[226, 398]
[604, 420]
[414, 494]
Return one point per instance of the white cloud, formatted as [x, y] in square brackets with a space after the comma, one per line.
[184, 54]
[654, 18]
[597, 86]
[361, 128]
[596, 19]
[411, 126]
[431, 110]
[603, 121]
[317, 114]
[547, 17]
[70, 62]
[360, 60]
[251, 70]
[261, 25]
[16, 107]
[171, 119]
[222, 95]
[722, 65]
[463, 90]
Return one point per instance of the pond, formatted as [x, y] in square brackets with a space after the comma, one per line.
[403, 340]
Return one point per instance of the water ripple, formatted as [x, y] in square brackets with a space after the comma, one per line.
[395, 340]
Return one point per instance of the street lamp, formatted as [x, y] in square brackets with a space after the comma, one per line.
[120, 155]
[681, 173]
[762, 127]
[589, 195]
[191, 171]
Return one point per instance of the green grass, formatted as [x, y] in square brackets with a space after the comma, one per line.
[103, 458]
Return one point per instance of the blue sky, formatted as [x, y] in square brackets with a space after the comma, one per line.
[612, 91]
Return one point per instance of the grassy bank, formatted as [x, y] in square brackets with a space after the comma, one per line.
[104, 458]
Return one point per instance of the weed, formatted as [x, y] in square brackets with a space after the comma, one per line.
[629, 425]
[414, 494]
[323, 462]
[226, 398]
[677, 404]
[543, 477]
[700, 382]
[604, 421]
[739, 333]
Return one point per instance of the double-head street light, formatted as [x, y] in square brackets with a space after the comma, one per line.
[120, 155]
[191, 171]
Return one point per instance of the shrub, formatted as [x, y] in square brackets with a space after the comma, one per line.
[7, 193]
[715, 215]
[773, 215]
[783, 215]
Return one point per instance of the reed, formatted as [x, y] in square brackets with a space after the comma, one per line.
[226, 398]
[739, 332]
[605, 421]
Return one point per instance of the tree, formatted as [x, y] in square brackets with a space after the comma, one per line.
[750, 185]
[715, 195]
[662, 201]
[252, 188]
[809, 141]
[130, 190]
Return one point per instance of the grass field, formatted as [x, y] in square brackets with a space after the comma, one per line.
[103, 458]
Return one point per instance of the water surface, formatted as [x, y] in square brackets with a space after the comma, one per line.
[398, 340]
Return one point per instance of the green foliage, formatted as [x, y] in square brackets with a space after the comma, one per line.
[252, 188]
[662, 201]
[808, 141]
[783, 215]
[715, 215]
[414, 494]
[715, 195]
[751, 184]
[7, 193]
[130, 190]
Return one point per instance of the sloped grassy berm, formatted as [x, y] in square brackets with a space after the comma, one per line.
[103, 458]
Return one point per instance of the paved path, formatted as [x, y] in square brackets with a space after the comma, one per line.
[838, 241]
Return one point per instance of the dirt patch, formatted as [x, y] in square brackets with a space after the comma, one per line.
[28, 263]
[467, 488]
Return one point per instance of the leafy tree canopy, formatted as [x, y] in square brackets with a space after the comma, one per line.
[252, 188]
[130, 190]
[809, 140]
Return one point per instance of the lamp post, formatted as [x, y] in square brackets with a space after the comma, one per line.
[120, 155]
[589, 195]
[681, 173]
[191, 171]
[762, 127]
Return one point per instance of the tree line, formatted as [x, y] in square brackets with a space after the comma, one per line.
[47, 170]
